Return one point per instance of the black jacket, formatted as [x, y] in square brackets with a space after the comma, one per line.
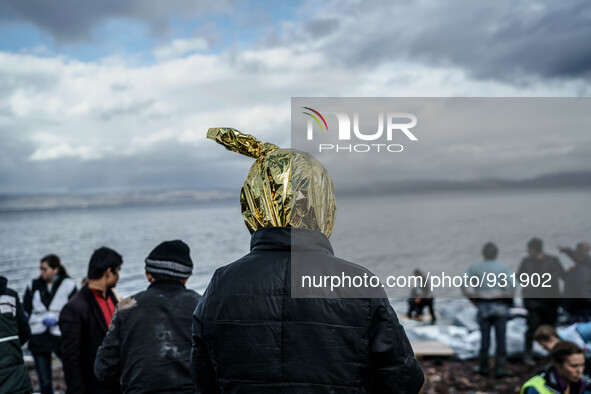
[250, 336]
[83, 328]
[14, 332]
[149, 340]
[543, 277]
[577, 290]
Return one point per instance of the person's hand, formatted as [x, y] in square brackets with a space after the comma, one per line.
[49, 322]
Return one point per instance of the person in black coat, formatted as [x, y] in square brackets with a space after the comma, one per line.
[84, 321]
[14, 332]
[149, 341]
[258, 330]
[577, 283]
[541, 302]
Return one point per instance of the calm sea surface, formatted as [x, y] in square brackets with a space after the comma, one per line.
[391, 235]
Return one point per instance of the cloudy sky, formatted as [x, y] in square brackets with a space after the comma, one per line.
[113, 95]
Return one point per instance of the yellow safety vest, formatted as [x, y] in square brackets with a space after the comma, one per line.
[538, 383]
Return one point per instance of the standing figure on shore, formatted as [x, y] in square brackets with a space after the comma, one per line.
[421, 297]
[44, 299]
[541, 302]
[577, 283]
[252, 333]
[492, 301]
[14, 332]
[149, 341]
[84, 322]
[564, 375]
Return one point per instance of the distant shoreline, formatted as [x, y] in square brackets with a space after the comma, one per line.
[31, 202]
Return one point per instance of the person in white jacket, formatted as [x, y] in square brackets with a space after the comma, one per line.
[44, 299]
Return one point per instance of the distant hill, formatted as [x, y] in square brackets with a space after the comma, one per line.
[11, 203]
[557, 180]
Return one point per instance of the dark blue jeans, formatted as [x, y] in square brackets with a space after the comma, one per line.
[492, 314]
[44, 371]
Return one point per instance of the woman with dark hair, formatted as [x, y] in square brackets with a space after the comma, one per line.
[565, 374]
[44, 299]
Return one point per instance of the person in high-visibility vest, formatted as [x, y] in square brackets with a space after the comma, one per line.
[564, 375]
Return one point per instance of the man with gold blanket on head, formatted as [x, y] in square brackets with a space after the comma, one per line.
[256, 331]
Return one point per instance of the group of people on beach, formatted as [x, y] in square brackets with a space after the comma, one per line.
[569, 347]
[541, 299]
[246, 334]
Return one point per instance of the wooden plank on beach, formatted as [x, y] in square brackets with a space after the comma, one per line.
[431, 348]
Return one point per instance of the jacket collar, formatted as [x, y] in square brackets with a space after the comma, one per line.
[289, 238]
[94, 306]
[167, 284]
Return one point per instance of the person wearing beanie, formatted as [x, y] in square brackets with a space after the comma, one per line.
[84, 321]
[541, 302]
[152, 328]
[253, 334]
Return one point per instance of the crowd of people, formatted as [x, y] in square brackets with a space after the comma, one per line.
[565, 374]
[247, 333]
[494, 298]
[106, 345]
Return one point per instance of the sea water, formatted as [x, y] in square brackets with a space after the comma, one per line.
[389, 234]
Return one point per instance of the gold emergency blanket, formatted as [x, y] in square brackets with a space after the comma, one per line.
[284, 187]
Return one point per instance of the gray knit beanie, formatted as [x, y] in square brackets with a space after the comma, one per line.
[171, 258]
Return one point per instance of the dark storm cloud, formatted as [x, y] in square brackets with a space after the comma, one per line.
[168, 165]
[459, 139]
[73, 21]
[322, 27]
[502, 40]
[134, 108]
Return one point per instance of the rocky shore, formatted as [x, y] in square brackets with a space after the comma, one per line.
[446, 376]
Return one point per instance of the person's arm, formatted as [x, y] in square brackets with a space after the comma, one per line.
[71, 326]
[107, 363]
[202, 371]
[72, 293]
[28, 301]
[24, 331]
[569, 252]
[509, 290]
[467, 290]
[393, 367]
[522, 267]
[559, 269]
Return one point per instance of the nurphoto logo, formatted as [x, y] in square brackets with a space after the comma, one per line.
[392, 122]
